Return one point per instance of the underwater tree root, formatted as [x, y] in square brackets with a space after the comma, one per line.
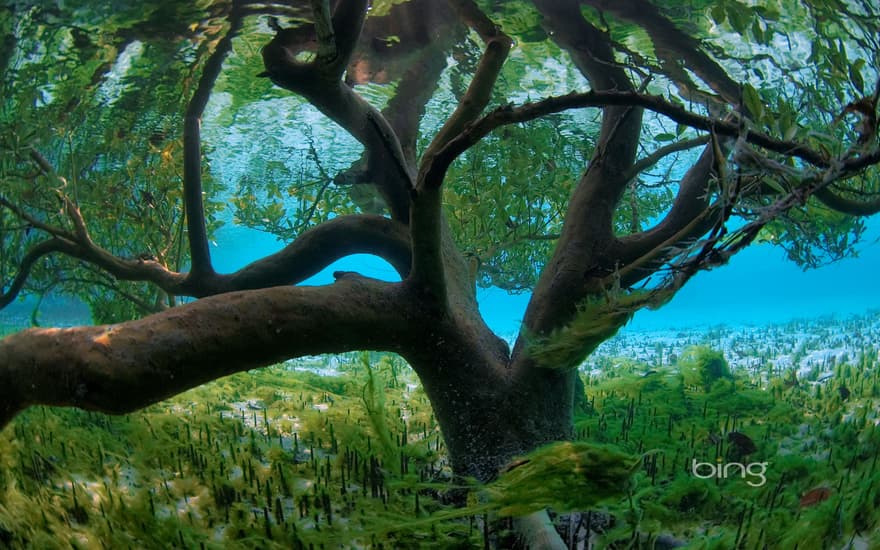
[537, 532]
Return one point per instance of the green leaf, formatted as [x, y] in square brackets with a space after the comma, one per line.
[775, 185]
[752, 101]
[738, 18]
[855, 75]
[665, 136]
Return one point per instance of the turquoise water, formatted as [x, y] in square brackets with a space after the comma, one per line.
[759, 286]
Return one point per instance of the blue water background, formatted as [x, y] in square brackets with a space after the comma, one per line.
[758, 287]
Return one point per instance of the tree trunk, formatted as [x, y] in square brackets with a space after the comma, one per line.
[485, 416]
[488, 416]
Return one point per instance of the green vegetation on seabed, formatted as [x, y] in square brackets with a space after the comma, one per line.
[284, 458]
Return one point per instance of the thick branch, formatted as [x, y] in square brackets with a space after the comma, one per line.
[590, 50]
[324, 244]
[322, 86]
[690, 204]
[200, 253]
[853, 207]
[311, 252]
[426, 218]
[337, 38]
[324, 30]
[122, 367]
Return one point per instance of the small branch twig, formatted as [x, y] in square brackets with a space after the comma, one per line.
[44, 248]
[662, 152]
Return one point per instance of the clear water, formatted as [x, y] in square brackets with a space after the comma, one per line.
[759, 286]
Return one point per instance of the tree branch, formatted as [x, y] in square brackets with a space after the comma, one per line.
[200, 253]
[34, 222]
[719, 247]
[676, 48]
[36, 252]
[322, 245]
[427, 224]
[530, 111]
[426, 219]
[327, 52]
[480, 89]
[590, 50]
[691, 203]
[320, 83]
[123, 367]
[662, 152]
[589, 219]
[853, 207]
[311, 252]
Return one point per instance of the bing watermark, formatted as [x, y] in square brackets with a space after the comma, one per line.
[754, 471]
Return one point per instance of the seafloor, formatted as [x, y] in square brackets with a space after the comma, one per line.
[745, 437]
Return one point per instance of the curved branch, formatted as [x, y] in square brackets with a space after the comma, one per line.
[322, 245]
[200, 253]
[311, 252]
[846, 205]
[36, 252]
[530, 111]
[122, 367]
[662, 152]
[319, 81]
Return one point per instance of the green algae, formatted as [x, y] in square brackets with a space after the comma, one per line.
[282, 458]
[597, 319]
[565, 476]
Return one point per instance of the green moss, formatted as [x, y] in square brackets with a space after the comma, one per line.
[565, 476]
[310, 458]
[597, 319]
[702, 366]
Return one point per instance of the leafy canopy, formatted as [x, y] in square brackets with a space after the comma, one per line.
[99, 90]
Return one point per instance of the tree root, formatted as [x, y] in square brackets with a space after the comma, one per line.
[536, 532]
